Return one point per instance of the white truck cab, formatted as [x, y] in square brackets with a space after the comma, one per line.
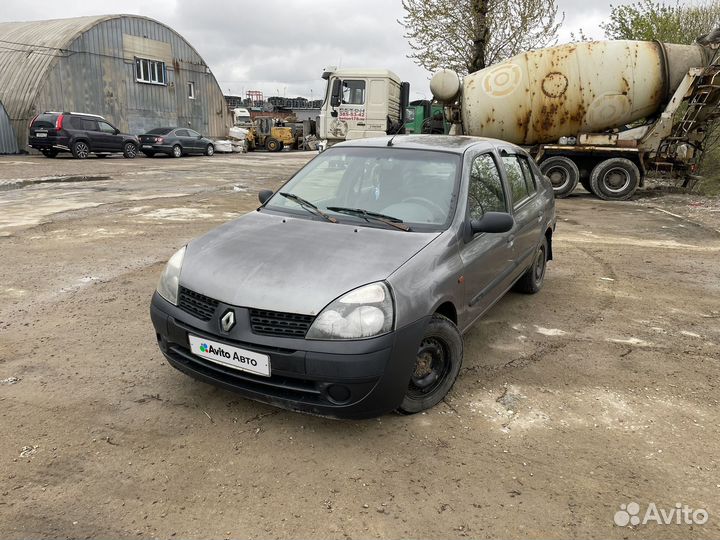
[361, 103]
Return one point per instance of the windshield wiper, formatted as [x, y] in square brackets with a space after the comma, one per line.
[307, 205]
[368, 215]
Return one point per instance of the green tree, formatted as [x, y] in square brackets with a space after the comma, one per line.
[467, 35]
[647, 20]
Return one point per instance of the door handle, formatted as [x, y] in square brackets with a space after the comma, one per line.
[511, 240]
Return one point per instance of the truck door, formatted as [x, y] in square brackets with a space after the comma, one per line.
[352, 112]
[528, 208]
[487, 257]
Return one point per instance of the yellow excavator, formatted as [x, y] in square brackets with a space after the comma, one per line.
[271, 135]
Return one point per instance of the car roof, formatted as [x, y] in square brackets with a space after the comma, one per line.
[457, 144]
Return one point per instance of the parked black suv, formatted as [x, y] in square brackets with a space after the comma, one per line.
[80, 133]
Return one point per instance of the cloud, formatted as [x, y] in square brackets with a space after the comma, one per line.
[277, 46]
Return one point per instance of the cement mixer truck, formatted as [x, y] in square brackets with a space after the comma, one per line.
[602, 114]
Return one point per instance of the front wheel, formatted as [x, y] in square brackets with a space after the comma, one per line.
[209, 150]
[615, 179]
[129, 150]
[532, 280]
[437, 365]
[273, 145]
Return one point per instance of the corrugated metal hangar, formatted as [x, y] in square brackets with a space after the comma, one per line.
[134, 71]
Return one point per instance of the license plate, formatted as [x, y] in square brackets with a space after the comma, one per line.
[147, 145]
[230, 356]
[39, 135]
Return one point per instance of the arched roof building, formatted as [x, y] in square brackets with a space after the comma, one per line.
[135, 71]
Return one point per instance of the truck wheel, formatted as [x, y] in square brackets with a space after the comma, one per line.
[563, 175]
[532, 280]
[437, 365]
[80, 150]
[273, 145]
[615, 179]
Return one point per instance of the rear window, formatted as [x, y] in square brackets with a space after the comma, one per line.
[160, 131]
[45, 121]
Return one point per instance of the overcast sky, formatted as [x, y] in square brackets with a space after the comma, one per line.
[280, 47]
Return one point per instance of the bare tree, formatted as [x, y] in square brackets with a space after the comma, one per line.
[467, 35]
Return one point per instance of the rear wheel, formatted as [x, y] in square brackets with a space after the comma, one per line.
[563, 174]
[176, 151]
[615, 179]
[273, 145]
[437, 365]
[80, 150]
[209, 150]
[532, 280]
[50, 153]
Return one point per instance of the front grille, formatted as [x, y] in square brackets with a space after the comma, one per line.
[201, 306]
[275, 323]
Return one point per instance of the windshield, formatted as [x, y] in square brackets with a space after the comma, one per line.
[414, 186]
[160, 131]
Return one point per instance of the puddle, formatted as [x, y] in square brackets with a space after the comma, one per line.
[19, 183]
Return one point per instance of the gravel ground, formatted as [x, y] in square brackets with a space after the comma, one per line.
[600, 391]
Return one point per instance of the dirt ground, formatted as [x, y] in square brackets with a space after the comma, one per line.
[599, 391]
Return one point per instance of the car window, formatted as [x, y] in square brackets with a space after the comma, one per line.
[516, 179]
[193, 133]
[530, 180]
[90, 125]
[159, 131]
[182, 133]
[485, 190]
[106, 128]
[45, 121]
[418, 187]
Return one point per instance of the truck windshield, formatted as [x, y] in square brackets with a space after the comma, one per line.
[417, 187]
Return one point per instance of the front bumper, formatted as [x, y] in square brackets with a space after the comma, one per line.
[346, 379]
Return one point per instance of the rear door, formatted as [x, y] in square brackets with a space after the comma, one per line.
[488, 258]
[527, 206]
[195, 140]
[183, 137]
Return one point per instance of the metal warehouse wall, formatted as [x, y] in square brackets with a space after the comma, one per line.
[8, 141]
[94, 71]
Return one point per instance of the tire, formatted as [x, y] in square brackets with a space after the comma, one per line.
[80, 150]
[563, 174]
[130, 150]
[209, 150]
[532, 280]
[50, 153]
[272, 145]
[442, 346]
[149, 154]
[615, 179]
[176, 151]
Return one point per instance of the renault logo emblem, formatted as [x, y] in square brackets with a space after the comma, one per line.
[228, 320]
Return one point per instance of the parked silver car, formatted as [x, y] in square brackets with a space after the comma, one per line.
[347, 292]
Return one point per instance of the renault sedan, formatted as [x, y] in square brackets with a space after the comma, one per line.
[346, 293]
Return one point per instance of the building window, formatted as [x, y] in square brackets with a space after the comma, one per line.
[191, 90]
[150, 71]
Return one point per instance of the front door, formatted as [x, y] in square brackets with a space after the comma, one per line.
[110, 139]
[194, 140]
[488, 258]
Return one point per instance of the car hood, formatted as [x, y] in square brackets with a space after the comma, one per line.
[293, 265]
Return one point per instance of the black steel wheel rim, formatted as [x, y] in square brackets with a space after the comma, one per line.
[432, 365]
[539, 266]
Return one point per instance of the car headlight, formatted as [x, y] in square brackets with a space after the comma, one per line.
[170, 278]
[364, 312]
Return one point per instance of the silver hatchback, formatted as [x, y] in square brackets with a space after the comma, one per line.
[346, 293]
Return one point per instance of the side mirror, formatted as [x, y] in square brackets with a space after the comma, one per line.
[199, 137]
[117, 131]
[335, 94]
[492, 222]
[265, 195]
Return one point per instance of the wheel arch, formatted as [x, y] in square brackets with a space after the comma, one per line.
[447, 309]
